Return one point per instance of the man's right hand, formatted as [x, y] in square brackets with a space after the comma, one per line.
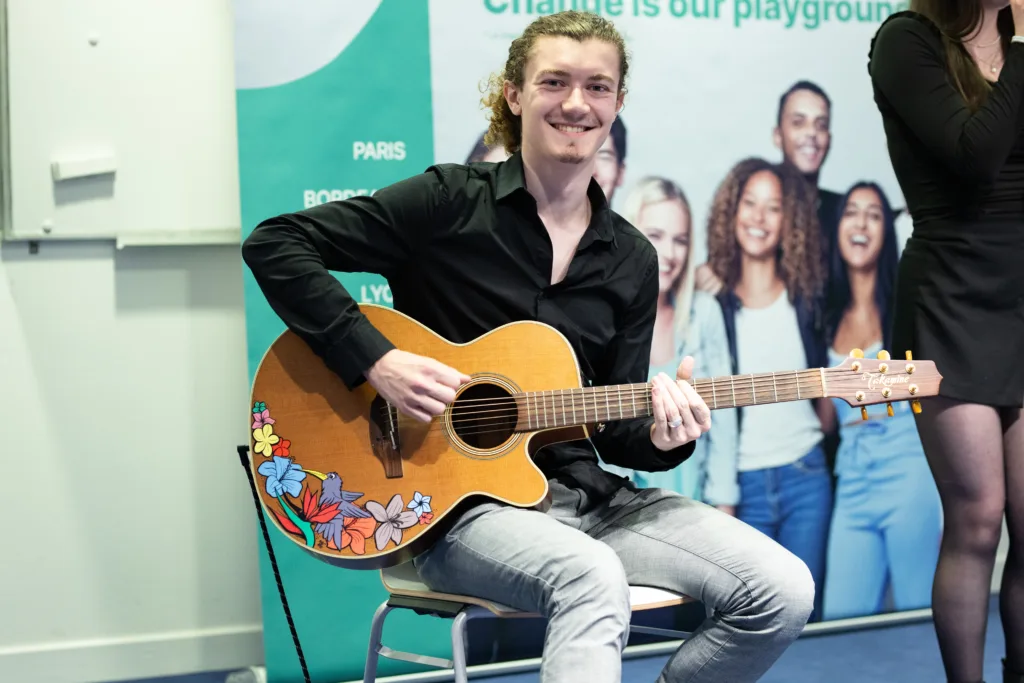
[418, 386]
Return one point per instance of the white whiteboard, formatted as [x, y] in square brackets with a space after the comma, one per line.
[142, 88]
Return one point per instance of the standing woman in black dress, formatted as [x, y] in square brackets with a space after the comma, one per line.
[948, 79]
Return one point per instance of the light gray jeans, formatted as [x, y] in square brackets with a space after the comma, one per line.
[574, 565]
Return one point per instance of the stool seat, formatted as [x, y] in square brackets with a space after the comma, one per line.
[407, 591]
[403, 580]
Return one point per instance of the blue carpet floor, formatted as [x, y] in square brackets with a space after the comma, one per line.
[899, 654]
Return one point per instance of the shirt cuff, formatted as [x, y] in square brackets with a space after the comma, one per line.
[354, 355]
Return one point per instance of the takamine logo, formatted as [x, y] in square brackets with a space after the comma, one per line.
[878, 380]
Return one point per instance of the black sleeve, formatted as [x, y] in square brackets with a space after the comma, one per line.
[290, 257]
[627, 443]
[907, 67]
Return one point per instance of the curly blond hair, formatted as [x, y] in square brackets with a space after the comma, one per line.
[800, 257]
[505, 127]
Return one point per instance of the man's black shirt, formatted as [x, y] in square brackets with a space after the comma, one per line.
[464, 251]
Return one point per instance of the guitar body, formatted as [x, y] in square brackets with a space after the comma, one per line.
[358, 486]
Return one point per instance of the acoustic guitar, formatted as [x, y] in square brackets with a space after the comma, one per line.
[345, 476]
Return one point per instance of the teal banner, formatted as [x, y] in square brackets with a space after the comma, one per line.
[339, 119]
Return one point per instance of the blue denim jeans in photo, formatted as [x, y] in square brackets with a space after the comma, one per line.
[887, 525]
[792, 505]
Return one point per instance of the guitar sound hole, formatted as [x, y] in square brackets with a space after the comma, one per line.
[484, 416]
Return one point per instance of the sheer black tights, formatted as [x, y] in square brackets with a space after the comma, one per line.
[976, 454]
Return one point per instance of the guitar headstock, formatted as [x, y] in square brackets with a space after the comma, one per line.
[863, 381]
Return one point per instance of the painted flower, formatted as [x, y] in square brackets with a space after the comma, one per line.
[265, 439]
[420, 504]
[426, 517]
[282, 447]
[354, 534]
[315, 511]
[261, 418]
[392, 520]
[283, 476]
[258, 407]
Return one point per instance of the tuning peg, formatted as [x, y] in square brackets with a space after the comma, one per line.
[883, 355]
[856, 353]
[888, 409]
[916, 406]
[910, 366]
[863, 412]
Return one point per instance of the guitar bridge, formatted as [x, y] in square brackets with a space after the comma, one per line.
[385, 437]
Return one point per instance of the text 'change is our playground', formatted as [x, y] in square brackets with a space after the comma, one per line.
[807, 14]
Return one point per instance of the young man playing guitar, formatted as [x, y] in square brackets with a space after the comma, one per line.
[468, 248]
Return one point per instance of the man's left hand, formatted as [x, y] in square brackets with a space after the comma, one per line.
[680, 414]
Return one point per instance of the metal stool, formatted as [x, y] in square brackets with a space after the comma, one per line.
[407, 591]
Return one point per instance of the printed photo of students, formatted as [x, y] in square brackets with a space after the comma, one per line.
[887, 522]
[764, 245]
[686, 323]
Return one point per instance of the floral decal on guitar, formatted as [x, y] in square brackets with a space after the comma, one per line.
[331, 517]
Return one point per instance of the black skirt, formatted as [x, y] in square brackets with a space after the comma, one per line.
[960, 302]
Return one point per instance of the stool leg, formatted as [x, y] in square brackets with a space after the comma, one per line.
[459, 647]
[373, 652]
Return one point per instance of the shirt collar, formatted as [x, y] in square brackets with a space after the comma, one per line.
[511, 179]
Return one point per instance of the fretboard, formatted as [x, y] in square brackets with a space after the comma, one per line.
[572, 407]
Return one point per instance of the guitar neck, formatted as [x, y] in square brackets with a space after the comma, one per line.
[574, 407]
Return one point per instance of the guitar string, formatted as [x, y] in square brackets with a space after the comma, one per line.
[536, 420]
[510, 428]
[599, 393]
[542, 418]
[781, 376]
[538, 404]
[515, 409]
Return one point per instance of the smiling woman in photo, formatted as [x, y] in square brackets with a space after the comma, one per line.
[887, 521]
[764, 245]
[687, 323]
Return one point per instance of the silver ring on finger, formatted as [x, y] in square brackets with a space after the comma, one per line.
[676, 423]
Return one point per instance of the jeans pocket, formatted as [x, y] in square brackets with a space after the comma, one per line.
[813, 462]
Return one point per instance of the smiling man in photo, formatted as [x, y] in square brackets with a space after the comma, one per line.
[803, 133]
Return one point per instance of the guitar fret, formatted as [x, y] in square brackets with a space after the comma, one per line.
[775, 388]
[796, 375]
[561, 394]
[620, 403]
[732, 385]
[608, 404]
[714, 396]
[632, 396]
[753, 391]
